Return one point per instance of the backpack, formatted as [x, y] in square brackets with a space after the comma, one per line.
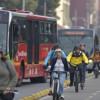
[76, 54]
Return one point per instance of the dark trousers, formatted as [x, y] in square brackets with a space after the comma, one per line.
[72, 72]
[96, 64]
[84, 71]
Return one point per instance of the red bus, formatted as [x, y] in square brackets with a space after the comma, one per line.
[27, 38]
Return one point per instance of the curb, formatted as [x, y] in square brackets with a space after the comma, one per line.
[42, 93]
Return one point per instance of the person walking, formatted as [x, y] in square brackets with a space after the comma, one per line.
[8, 78]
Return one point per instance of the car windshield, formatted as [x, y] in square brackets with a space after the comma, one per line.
[3, 37]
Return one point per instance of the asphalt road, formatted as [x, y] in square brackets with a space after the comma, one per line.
[91, 91]
[28, 89]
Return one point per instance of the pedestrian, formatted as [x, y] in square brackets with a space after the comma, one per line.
[8, 78]
[59, 63]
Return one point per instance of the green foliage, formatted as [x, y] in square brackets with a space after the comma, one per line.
[29, 4]
[51, 5]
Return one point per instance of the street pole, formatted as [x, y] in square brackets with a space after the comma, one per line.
[76, 18]
[45, 7]
[23, 4]
[97, 24]
[97, 14]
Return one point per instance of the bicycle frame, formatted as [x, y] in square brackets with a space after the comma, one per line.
[56, 84]
[76, 78]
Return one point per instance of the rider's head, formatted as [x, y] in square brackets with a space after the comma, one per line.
[58, 53]
[82, 46]
[55, 47]
[76, 49]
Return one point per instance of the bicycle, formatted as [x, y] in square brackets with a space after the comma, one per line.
[55, 85]
[96, 71]
[77, 79]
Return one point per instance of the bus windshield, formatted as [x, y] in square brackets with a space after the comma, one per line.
[4, 17]
[3, 32]
[68, 40]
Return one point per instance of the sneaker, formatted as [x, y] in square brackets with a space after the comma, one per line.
[62, 97]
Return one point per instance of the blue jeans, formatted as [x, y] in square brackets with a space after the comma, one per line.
[61, 81]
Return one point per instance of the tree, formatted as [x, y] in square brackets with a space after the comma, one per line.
[12, 4]
[31, 5]
[51, 5]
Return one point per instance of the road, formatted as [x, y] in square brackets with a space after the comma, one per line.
[91, 91]
[28, 89]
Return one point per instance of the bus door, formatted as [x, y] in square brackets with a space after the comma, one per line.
[4, 20]
[36, 32]
[13, 38]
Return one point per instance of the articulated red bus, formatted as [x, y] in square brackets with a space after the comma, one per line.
[27, 38]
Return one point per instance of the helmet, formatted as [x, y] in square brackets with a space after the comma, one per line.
[82, 44]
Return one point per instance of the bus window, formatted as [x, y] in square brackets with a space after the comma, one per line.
[15, 30]
[42, 29]
[47, 28]
[14, 33]
[47, 32]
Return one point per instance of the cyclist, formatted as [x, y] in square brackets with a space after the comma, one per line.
[59, 63]
[82, 48]
[75, 59]
[51, 55]
[96, 59]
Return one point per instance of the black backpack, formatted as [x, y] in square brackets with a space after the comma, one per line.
[76, 54]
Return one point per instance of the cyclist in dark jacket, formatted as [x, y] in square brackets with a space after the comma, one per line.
[59, 63]
[82, 48]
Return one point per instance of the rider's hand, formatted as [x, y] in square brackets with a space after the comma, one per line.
[48, 68]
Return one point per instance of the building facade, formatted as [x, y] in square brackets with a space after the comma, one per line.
[62, 13]
[79, 12]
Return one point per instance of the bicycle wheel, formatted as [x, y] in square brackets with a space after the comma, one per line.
[55, 94]
[82, 86]
[96, 72]
[76, 81]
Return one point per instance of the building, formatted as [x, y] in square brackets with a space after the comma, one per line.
[62, 13]
[79, 12]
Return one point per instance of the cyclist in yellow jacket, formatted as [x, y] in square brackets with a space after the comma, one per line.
[76, 59]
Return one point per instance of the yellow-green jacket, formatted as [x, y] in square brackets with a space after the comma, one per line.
[74, 61]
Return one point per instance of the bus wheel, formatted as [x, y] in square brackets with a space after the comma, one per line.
[43, 79]
[33, 80]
